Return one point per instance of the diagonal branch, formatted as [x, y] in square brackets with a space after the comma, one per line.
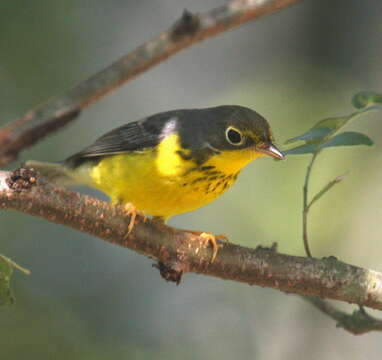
[180, 252]
[189, 30]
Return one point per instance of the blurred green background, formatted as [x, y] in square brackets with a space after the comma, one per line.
[87, 299]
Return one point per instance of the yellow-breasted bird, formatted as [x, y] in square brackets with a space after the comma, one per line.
[169, 163]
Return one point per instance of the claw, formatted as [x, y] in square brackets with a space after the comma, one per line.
[132, 211]
[210, 238]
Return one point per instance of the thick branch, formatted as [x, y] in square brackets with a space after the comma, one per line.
[189, 30]
[184, 252]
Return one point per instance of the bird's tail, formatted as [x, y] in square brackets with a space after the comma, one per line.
[56, 173]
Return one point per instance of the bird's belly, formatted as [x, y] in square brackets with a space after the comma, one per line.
[164, 199]
[136, 179]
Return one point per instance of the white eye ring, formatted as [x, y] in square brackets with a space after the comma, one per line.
[234, 136]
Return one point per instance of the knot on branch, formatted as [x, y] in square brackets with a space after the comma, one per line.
[272, 248]
[169, 272]
[22, 179]
[187, 25]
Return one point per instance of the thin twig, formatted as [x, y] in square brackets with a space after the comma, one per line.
[15, 265]
[189, 30]
[180, 252]
[305, 208]
[324, 190]
[359, 322]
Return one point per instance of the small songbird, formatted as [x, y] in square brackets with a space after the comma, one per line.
[169, 163]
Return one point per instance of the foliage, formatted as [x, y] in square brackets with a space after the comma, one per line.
[326, 134]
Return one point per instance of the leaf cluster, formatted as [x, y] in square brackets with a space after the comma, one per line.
[326, 133]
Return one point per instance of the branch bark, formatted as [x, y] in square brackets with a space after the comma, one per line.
[180, 252]
[189, 30]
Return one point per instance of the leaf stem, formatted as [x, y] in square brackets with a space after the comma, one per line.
[325, 189]
[306, 206]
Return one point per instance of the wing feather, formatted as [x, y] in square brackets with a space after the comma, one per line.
[135, 136]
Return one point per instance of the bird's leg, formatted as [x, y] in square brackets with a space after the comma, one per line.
[209, 239]
[132, 211]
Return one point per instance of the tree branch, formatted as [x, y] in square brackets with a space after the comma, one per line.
[357, 323]
[179, 252]
[189, 30]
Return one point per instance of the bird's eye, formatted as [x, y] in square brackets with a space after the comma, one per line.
[234, 136]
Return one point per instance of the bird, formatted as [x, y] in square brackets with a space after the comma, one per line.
[169, 163]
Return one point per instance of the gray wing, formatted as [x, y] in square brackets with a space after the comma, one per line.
[134, 136]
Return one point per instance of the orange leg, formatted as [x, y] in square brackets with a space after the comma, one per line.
[209, 239]
[132, 211]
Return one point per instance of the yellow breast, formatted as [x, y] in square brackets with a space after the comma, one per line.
[161, 183]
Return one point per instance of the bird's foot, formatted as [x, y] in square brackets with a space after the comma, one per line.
[210, 239]
[132, 211]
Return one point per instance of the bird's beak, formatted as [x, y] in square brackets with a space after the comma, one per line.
[271, 150]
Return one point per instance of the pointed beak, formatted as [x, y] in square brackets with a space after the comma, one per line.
[271, 150]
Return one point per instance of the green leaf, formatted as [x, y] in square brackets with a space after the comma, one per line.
[302, 149]
[366, 99]
[323, 134]
[323, 129]
[312, 134]
[349, 138]
[6, 270]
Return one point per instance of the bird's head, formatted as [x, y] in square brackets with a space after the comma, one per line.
[231, 135]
